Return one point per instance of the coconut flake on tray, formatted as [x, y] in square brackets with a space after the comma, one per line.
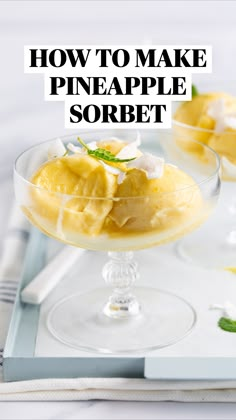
[228, 308]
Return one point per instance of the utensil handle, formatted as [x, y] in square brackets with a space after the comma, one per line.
[39, 288]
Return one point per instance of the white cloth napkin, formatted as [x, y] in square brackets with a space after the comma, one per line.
[85, 388]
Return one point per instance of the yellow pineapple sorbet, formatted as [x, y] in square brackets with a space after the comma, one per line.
[210, 118]
[76, 199]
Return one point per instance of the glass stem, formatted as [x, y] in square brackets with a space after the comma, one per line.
[120, 272]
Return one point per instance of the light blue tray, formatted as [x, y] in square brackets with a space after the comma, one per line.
[19, 362]
[185, 360]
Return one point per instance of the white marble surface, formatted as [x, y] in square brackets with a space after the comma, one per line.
[115, 410]
[107, 410]
[25, 118]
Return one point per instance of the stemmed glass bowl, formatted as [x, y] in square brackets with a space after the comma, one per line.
[120, 318]
[218, 249]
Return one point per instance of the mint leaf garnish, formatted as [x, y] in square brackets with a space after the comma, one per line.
[227, 324]
[194, 91]
[106, 155]
[103, 154]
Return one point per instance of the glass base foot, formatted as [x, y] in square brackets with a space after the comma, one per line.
[117, 307]
[80, 322]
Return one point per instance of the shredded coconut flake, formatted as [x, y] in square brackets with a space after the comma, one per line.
[152, 165]
[130, 150]
[56, 149]
[111, 169]
[228, 308]
[172, 166]
[230, 121]
[74, 149]
[217, 111]
[92, 145]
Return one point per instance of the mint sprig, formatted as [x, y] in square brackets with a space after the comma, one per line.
[103, 154]
[194, 91]
[227, 324]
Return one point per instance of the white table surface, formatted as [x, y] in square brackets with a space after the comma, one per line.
[106, 410]
[25, 118]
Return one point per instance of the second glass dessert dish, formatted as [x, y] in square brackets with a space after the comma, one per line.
[210, 118]
[118, 191]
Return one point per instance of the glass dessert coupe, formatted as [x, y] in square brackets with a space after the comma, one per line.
[213, 122]
[117, 210]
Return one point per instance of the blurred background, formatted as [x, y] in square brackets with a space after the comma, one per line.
[25, 118]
